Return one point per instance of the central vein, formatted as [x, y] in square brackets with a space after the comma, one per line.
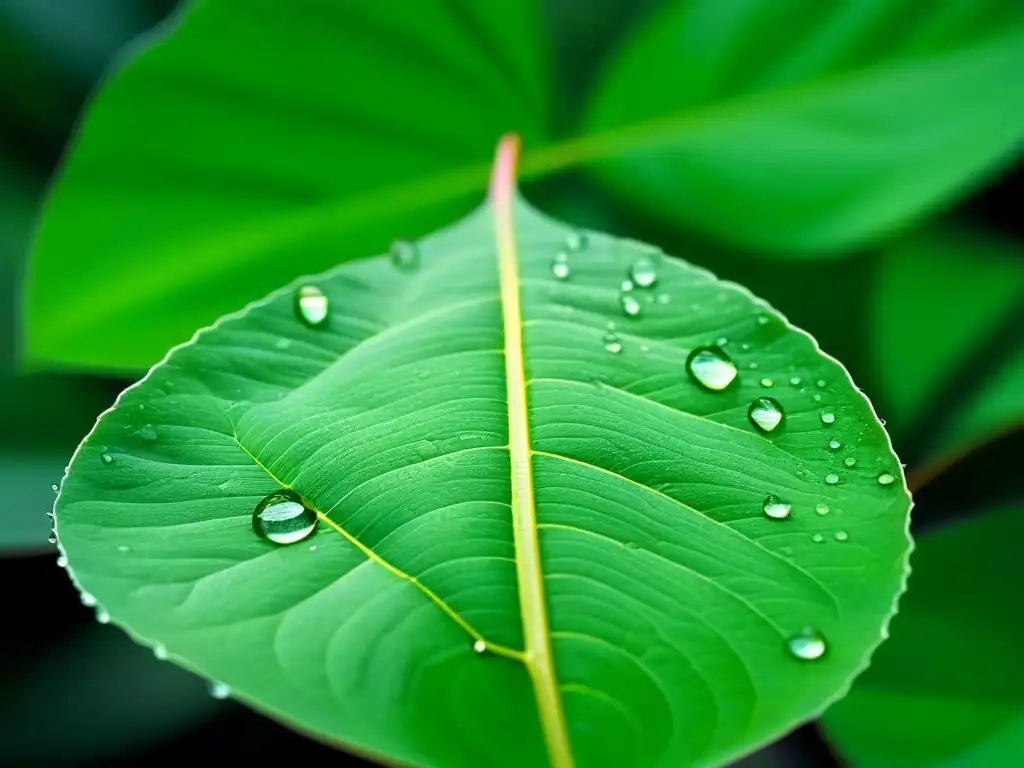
[532, 605]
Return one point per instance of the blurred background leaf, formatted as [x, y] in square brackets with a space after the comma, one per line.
[799, 127]
[947, 689]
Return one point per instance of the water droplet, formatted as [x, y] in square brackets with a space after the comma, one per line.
[626, 285]
[816, 397]
[767, 383]
[834, 444]
[282, 518]
[786, 551]
[795, 381]
[612, 343]
[886, 478]
[832, 478]
[827, 417]
[160, 651]
[711, 368]
[745, 347]
[664, 298]
[629, 304]
[632, 545]
[311, 306]
[807, 645]
[102, 616]
[62, 561]
[643, 272]
[54, 488]
[821, 383]
[776, 508]
[106, 458]
[283, 343]
[821, 509]
[842, 536]
[123, 548]
[645, 348]
[576, 241]
[560, 265]
[404, 254]
[480, 646]
[766, 414]
[817, 538]
[850, 461]
[762, 320]
[218, 690]
[752, 365]
[87, 600]
[52, 538]
[147, 432]
[721, 341]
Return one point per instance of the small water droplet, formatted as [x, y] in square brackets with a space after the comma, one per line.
[807, 645]
[816, 397]
[632, 545]
[842, 536]
[405, 254]
[776, 508]
[745, 347]
[827, 417]
[767, 383]
[283, 343]
[123, 548]
[87, 600]
[54, 488]
[312, 306]
[102, 616]
[160, 651]
[821, 383]
[62, 562]
[643, 272]
[629, 304]
[752, 365]
[817, 538]
[886, 478]
[850, 461]
[794, 381]
[312, 547]
[664, 298]
[766, 414]
[762, 320]
[645, 348]
[560, 265]
[721, 341]
[612, 343]
[282, 518]
[218, 690]
[786, 551]
[52, 538]
[147, 433]
[576, 241]
[711, 368]
[627, 285]
[106, 458]
[832, 478]
[480, 646]
[834, 444]
[821, 508]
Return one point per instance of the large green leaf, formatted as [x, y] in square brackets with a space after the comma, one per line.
[944, 344]
[537, 533]
[264, 135]
[797, 126]
[948, 688]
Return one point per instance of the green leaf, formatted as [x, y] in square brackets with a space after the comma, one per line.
[948, 688]
[961, 380]
[260, 136]
[796, 127]
[536, 532]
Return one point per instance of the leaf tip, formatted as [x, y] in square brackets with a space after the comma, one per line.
[503, 174]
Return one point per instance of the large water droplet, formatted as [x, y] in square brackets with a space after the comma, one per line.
[612, 343]
[560, 265]
[311, 306]
[834, 444]
[106, 458]
[629, 304]
[480, 647]
[827, 417]
[776, 508]
[886, 478]
[711, 368]
[807, 645]
[766, 414]
[404, 254]
[576, 241]
[643, 272]
[218, 690]
[821, 508]
[842, 536]
[62, 561]
[832, 478]
[282, 518]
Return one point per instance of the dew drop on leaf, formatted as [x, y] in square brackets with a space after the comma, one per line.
[52, 538]
[576, 241]
[54, 488]
[147, 433]
[842, 536]
[404, 254]
[832, 478]
[629, 304]
[767, 383]
[827, 417]
[776, 508]
[807, 645]
[311, 306]
[218, 690]
[821, 508]
[834, 444]
[560, 265]
[711, 368]
[123, 548]
[282, 518]
[850, 461]
[643, 272]
[612, 343]
[106, 458]
[664, 298]
[160, 652]
[886, 478]
[795, 381]
[817, 538]
[480, 646]
[766, 414]
[721, 341]
[102, 616]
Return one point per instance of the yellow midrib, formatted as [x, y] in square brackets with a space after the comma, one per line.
[533, 607]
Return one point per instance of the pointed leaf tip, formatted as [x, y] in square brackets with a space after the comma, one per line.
[503, 174]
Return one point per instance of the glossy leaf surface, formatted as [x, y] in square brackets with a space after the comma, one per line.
[539, 537]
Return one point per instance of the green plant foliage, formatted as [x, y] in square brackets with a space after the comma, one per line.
[534, 531]
[941, 337]
[262, 139]
[800, 126]
[948, 688]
